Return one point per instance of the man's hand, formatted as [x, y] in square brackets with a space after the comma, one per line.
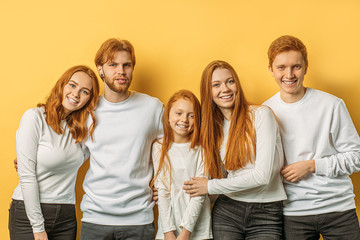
[196, 186]
[296, 171]
[155, 195]
[15, 164]
[40, 236]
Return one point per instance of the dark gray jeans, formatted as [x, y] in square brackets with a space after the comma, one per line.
[233, 219]
[60, 221]
[90, 231]
[332, 226]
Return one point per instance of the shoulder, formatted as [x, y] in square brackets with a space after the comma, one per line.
[261, 110]
[324, 96]
[272, 100]
[149, 100]
[34, 114]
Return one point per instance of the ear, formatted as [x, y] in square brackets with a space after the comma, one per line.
[305, 70]
[99, 69]
[271, 71]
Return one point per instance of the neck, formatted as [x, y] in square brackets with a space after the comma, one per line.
[178, 139]
[292, 98]
[227, 113]
[115, 97]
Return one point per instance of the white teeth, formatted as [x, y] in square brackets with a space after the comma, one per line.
[72, 100]
[181, 126]
[226, 97]
[289, 82]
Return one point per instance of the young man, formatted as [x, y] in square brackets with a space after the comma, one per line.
[118, 203]
[321, 146]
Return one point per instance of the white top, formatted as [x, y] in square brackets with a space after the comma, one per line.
[47, 165]
[176, 209]
[318, 127]
[116, 186]
[259, 181]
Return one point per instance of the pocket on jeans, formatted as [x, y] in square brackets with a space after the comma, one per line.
[223, 198]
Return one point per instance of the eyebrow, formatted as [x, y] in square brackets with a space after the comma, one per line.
[220, 80]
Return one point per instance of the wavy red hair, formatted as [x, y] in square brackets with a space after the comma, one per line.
[168, 139]
[241, 144]
[76, 120]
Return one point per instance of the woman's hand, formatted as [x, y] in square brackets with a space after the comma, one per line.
[40, 236]
[196, 186]
[169, 236]
[155, 195]
[184, 235]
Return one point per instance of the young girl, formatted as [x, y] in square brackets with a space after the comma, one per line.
[49, 155]
[177, 157]
[242, 143]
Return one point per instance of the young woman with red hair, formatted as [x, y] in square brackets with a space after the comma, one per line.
[243, 154]
[49, 154]
[177, 157]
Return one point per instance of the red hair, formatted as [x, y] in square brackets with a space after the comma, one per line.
[110, 47]
[168, 139]
[284, 44]
[241, 144]
[76, 120]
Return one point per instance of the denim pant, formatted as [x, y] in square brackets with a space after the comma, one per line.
[60, 221]
[332, 226]
[241, 220]
[91, 231]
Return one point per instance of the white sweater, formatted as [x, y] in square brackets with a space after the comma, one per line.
[116, 185]
[259, 181]
[318, 127]
[176, 209]
[47, 165]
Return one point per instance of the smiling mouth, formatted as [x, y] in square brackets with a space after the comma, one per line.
[289, 82]
[182, 126]
[227, 97]
[73, 101]
[121, 80]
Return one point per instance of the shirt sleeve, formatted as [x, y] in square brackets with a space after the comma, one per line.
[266, 138]
[193, 209]
[162, 184]
[346, 141]
[27, 140]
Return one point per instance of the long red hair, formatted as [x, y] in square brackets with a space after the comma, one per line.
[76, 120]
[168, 139]
[241, 144]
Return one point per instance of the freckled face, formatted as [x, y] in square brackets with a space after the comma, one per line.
[181, 119]
[77, 92]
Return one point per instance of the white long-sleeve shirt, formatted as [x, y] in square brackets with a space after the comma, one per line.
[116, 186]
[318, 127]
[176, 209]
[259, 181]
[47, 165]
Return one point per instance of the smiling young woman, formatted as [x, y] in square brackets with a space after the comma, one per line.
[49, 154]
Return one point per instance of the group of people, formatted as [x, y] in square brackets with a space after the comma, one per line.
[277, 171]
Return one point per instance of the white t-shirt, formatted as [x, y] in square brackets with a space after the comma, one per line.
[318, 127]
[116, 185]
[47, 165]
[176, 209]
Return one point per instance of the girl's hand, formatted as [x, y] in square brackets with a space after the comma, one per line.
[184, 235]
[196, 186]
[40, 236]
[169, 236]
[155, 195]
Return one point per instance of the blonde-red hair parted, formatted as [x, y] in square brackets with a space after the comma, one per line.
[168, 139]
[110, 47]
[76, 120]
[284, 44]
[241, 144]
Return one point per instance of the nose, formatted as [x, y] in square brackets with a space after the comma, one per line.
[224, 87]
[120, 70]
[184, 118]
[76, 93]
[289, 73]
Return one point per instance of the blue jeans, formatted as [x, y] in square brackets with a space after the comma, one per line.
[91, 231]
[332, 226]
[60, 221]
[233, 219]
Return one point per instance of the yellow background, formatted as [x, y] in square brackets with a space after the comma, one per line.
[174, 41]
